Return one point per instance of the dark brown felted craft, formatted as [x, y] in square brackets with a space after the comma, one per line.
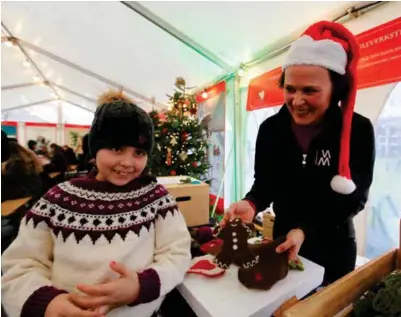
[271, 267]
[235, 236]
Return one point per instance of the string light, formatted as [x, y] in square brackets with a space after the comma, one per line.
[204, 95]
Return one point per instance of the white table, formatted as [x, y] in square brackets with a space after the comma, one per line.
[226, 296]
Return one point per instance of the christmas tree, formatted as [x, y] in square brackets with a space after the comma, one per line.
[180, 140]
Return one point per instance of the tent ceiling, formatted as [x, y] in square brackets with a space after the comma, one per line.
[112, 41]
[237, 30]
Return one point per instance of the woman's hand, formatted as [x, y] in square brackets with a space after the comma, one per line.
[62, 306]
[294, 241]
[117, 293]
[241, 209]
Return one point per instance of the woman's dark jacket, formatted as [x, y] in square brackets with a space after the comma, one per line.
[301, 193]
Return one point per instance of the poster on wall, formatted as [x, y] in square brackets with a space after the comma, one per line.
[380, 61]
[10, 128]
[264, 92]
[379, 64]
[211, 112]
[73, 135]
[39, 131]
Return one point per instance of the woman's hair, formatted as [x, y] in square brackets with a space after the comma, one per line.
[340, 83]
[56, 148]
[32, 144]
[32, 162]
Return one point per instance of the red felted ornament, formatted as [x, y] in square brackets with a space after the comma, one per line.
[184, 136]
[206, 268]
[173, 173]
[194, 164]
[165, 130]
[204, 234]
[212, 247]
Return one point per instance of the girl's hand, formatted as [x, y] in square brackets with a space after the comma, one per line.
[295, 239]
[62, 306]
[117, 293]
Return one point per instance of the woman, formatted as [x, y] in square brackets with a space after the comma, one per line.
[314, 159]
[58, 162]
[20, 174]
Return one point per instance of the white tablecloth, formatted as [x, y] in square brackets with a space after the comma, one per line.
[226, 297]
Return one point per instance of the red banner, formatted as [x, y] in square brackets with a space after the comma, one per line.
[380, 61]
[380, 64]
[212, 91]
[264, 92]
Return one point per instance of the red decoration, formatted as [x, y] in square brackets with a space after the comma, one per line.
[169, 159]
[184, 136]
[258, 277]
[216, 150]
[205, 267]
[165, 130]
[194, 164]
[187, 102]
[173, 173]
[193, 111]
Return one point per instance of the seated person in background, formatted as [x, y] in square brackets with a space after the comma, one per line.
[5, 152]
[20, 174]
[32, 145]
[58, 162]
[70, 155]
[85, 161]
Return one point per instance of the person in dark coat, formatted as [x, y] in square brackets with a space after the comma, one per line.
[20, 174]
[58, 162]
[85, 162]
[314, 159]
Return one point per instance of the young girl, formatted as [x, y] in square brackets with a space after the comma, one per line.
[111, 243]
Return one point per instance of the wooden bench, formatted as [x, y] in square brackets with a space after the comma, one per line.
[9, 207]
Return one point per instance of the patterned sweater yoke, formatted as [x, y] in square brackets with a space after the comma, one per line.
[73, 232]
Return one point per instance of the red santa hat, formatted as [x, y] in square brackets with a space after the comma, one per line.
[334, 47]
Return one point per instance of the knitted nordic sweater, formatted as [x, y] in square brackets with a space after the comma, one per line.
[72, 234]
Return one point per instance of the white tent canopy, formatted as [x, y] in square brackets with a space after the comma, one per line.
[80, 49]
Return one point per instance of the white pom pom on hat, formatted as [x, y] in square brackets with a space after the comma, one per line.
[332, 46]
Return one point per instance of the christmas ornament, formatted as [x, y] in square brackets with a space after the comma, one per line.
[194, 164]
[184, 136]
[180, 82]
[216, 150]
[173, 141]
[169, 159]
[235, 235]
[165, 130]
[203, 266]
[183, 156]
[270, 268]
[173, 173]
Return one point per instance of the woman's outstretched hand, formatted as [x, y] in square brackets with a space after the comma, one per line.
[241, 209]
[295, 239]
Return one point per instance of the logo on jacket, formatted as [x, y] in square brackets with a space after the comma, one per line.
[323, 158]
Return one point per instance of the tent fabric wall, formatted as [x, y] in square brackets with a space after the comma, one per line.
[369, 102]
